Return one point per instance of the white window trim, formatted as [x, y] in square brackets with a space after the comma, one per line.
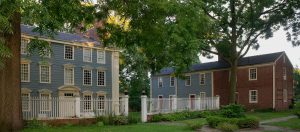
[91, 54]
[250, 101]
[91, 102]
[250, 74]
[26, 46]
[72, 52]
[91, 77]
[202, 93]
[185, 81]
[41, 74]
[104, 77]
[285, 95]
[162, 82]
[65, 76]
[104, 56]
[203, 77]
[284, 73]
[50, 104]
[29, 102]
[171, 81]
[104, 100]
[28, 73]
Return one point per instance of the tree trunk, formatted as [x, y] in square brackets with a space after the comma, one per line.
[10, 92]
[232, 82]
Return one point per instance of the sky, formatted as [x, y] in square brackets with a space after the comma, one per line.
[275, 44]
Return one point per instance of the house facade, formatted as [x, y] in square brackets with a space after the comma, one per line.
[263, 82]
[76, 67]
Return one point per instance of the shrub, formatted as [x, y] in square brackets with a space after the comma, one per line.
[35, 124]
[233, 111]
[156, 118]
[180, 116]
[297, 113]
[113, 120]
[214, 121]
[227, 127]
[120, 120]
[248, 122]
[195, 125]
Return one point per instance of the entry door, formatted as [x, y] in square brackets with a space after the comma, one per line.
[67, 105]
[171, 102]
[160, 104]
[192, 102]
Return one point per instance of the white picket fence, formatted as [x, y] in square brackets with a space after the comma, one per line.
[65, 108]
[167, 105]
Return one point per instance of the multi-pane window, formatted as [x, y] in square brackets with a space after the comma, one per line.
[160, 82]
[24, 43]
[285, 95]
[69, 52]
[101, 78]
[45, 102]
[87, 54]
[87, 77]
[284, 73]
[101, 102]
[172, 81]
[87, 102]
[25, 101]
[202, 95]
[253, 96]
[202, 79]
[25, 72]
[101, 56]
[252, 74]
[188, 80]
[45, 74]
[69, 76]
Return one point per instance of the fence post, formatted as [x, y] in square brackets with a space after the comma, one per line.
[144, 108]
[174, 103]
[77, 106]
[218, 102]
[126, 97]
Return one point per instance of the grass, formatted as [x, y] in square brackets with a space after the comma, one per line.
[200, 120]
[293, 123]
[126, 128]
[269, 115]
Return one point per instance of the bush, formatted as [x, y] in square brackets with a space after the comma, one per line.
[248, 122]
[233, 111]
[113, 120]
[297, 113]
[120, 120]
[180, 116]
[35, 124]
[195, 125]
[133, 119]
[227, 127]
[214, 121]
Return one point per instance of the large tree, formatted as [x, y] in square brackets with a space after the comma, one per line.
[50, 16]
[237, 25]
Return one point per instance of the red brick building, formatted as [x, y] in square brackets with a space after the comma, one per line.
[263, 82]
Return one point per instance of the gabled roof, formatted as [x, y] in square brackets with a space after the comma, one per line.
[60, 36]
[246, 61]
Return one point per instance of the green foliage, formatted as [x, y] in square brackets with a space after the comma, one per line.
[120, 120]
[100, 124]
[195, 125]
[214, 121]
[248, 122]
[132, 119]
[35, 124]
[227, 127]
[233, 111]
[297, 113]
[179, 116]
[116, 120]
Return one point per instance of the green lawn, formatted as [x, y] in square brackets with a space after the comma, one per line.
[269, 115]
[199, 120]
[291, 123]
[126, 128]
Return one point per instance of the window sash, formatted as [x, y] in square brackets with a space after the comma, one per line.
[87, 102]
[25, 101]
[25, 72]
[188, 81]
[45, 102]
[69, 52]
[253, 96]
[45, 74]
[160, 82]
[101, 100]
[87, 77]
[172, 81]
[202, 95]
[202, 78]
[87, 54]
[24, 44]
[252, 74]
[69, 76]
[101, 56]
[101, 78]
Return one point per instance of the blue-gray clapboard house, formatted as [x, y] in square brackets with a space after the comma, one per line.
[77, 66]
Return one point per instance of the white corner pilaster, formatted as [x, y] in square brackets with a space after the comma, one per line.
[125, 99]
[77, 106]
[115, 83]
[174, 103]
[144, 108]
